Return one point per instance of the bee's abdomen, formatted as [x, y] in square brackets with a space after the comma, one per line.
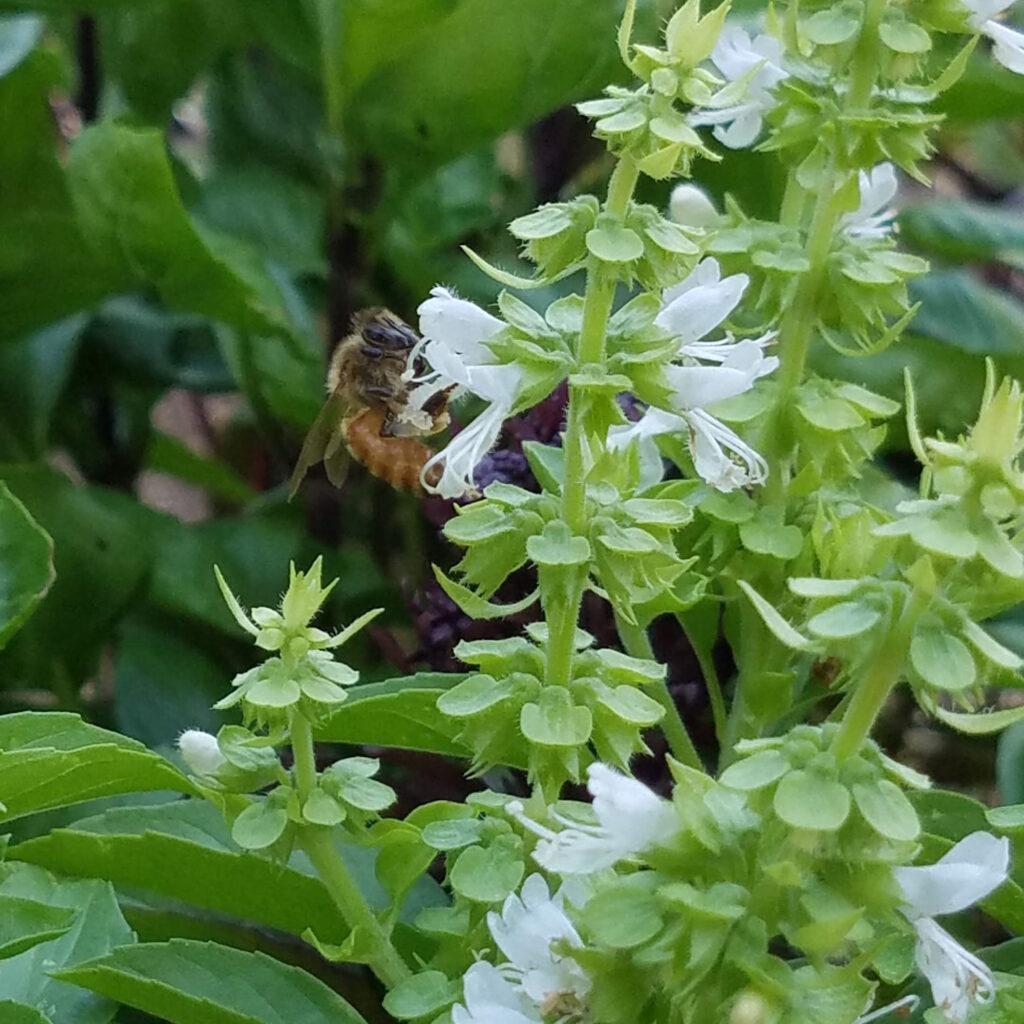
[395, 460]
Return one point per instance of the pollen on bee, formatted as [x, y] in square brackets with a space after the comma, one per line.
[397, 461]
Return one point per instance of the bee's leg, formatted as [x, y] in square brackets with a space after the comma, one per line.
[372, 352]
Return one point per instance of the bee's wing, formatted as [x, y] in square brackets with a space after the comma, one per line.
[323, 442]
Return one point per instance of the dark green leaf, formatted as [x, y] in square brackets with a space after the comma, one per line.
[52, 759]
[26, 564]
[185, 982]
[96, 928]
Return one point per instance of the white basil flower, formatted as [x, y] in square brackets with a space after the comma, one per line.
[737, 55]
[490, 998]
[691, 206]
[455, 332]
[524, 931]
[631, 819]
[200, 752]
[1008, 44]
[691, 310]
[976, 866]
[873, 217]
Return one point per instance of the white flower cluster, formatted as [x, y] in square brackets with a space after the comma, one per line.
[536, 980]
[455, 332]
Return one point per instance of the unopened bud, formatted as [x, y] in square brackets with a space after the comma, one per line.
[691, 207]
[751, 1008]
[201, 752]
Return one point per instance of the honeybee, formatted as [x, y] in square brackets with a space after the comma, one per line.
[363, 417]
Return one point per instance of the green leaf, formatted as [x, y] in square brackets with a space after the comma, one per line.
[780, 628]
[904, 37]
[53, 759]
[557, 547]
[183, 851]
[26, 564]
[473, 695]
[547, 463]
[184, 982]
[484, 69]
[129, 208]
[942, 660]
[835, 25]
[971, 316]
[421, 995]
[756, 771]
[962, 230]
[555, 721]
[805, 799]
[887, 810]
[260, 825]
[614, 244]
[764, 537]
[843, 620]
[474, 605]
[19, 1013]
[623, 916]
[164, 683]
[96, 927]
[980, 723]
[400, 713]
[545, 222]
[25, 923]
[489, 874]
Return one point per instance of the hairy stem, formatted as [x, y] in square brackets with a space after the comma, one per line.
[385, 961]
[597, 306]
[319, 847]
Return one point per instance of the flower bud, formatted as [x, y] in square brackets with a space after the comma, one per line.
[201, 752]
[751, 1008]
[689, 205]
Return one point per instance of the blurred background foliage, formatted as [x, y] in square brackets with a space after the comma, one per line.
[196, 195]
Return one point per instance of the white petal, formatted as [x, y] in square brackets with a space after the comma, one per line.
[574, 852]
[635, 815]
[706, 272]
[458, 324]
[492, 999]
[1009, 46]
[720, 457]
[878, 188]
[694, 387]
[691, 314]
[650, 425]
[690, 205]
[958, 979]
[464, 452]
[734, 54]
[983, 10]
[743, 131]
[968, 872]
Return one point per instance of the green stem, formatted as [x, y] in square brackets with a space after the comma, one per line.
[638, 645]
[330, 18]
[385, 961]
[319, 847]
[597, 307]
[865, 57]
[871, 693]
[873, 690]
[719, 711]
[304, 755]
